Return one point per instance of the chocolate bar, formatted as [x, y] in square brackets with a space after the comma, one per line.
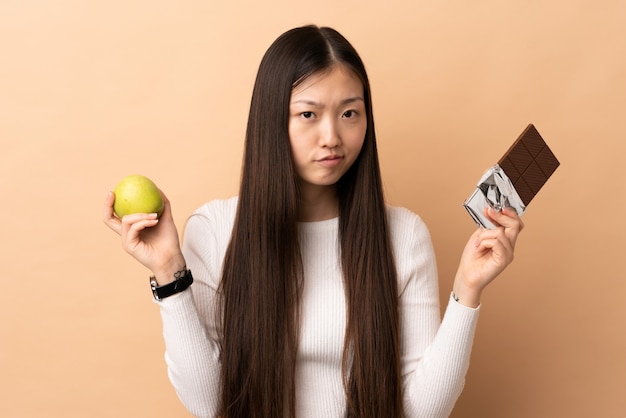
[515, 180]
[529, 163]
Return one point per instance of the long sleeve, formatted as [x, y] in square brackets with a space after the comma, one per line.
[435, 353]
[192, 359]
[433, 388]
[190, 325]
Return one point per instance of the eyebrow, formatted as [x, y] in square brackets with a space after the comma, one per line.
[343, 102]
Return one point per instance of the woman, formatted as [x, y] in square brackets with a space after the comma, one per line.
[312, 298]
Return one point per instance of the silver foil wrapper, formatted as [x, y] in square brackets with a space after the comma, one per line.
[493, 190]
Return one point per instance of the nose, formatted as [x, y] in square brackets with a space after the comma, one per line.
[329, 134]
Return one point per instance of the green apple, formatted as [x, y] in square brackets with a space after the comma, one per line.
[137, 194]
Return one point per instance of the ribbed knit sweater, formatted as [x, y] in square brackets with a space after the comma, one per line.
[434, 353]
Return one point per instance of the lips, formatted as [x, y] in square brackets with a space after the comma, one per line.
[330, 160]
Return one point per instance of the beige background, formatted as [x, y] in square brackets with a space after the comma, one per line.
[91, 91]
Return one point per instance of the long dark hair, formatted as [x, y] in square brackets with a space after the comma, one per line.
[262, 277]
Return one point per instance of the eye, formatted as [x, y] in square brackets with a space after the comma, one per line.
[306, 115]
[349, 114]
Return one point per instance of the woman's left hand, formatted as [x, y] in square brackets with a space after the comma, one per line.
[487, 253]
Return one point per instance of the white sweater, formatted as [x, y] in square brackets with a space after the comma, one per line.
[435, 354]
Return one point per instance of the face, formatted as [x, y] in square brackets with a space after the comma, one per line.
[327, 124]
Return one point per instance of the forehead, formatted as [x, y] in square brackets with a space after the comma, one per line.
[335, 80]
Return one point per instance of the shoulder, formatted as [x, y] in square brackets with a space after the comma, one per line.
[405, 224]
[412, 247]
[215, 217]
[217, 207]
[206, 236]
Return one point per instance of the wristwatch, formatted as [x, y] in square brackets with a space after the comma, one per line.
[184, 279]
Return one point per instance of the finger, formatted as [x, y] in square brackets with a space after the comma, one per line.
[513, 217]
[507, 219]
[513, 224]
[488, 239]
[136, 222]
[500, 249]
[482, 234]
[132, 225]
[135, 228]
[492, 215]
[517, 218]
[108, 215]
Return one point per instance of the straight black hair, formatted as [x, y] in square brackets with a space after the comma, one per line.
[262, 277]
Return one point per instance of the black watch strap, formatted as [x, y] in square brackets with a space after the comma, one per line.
[184, 279]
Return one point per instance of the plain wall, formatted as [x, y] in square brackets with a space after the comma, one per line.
[91, 91]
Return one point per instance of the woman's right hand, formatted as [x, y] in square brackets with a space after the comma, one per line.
[151, 241]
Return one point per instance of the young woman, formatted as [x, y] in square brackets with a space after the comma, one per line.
[312, 297]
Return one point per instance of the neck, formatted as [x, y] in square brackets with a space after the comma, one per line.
[318, 203]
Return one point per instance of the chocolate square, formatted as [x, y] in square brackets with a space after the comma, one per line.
[528, 163]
